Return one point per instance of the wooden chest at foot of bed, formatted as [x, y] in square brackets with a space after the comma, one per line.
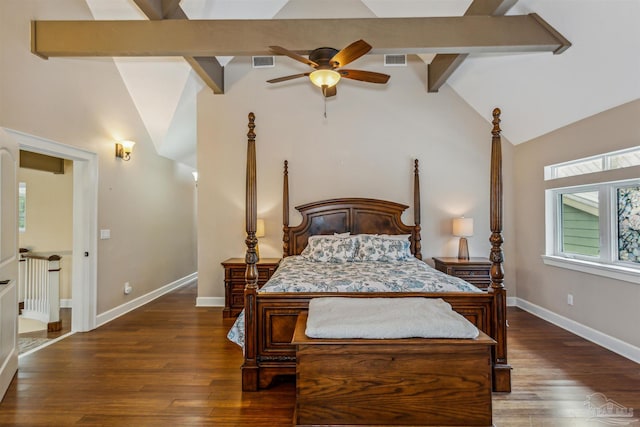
[445, 382]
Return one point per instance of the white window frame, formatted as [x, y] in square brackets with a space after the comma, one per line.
[607, 263]
[551, 171]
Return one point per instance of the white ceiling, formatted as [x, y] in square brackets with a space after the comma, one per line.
[539, 92]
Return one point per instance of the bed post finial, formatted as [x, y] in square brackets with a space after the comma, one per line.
[502, 369]
[416, 211]
[250, 366]
[285, 210]
[496, 122]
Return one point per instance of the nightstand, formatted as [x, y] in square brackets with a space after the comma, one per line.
[474, 270]
[234, 282]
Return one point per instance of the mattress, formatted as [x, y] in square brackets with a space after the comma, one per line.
[299, 274]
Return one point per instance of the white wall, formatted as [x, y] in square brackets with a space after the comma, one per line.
[148, 202]
[606, 305]
[364, 148]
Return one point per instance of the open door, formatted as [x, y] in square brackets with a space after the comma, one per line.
[9, 159]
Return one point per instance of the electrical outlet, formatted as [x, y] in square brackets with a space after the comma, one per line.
[127, 288]
[569, 299]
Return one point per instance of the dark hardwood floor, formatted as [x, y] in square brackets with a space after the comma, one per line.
[169, 363]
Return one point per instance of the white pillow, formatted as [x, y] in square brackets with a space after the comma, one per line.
[396, 236]
[330, 249]
[381, 248]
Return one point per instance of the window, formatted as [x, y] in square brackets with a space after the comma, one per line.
[628, 200]
[595, 226]
[608, 161]
[580, 227]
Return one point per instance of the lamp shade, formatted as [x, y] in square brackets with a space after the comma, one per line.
[463, 227]
[260, 228]
[127, 146]
[324, 78]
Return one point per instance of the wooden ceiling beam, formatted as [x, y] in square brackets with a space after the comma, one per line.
[489, 7]
[443, 65]
[441, 68]
[198, 38]
[207, 67]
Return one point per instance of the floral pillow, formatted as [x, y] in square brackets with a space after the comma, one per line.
[330, 249]
[382, 248]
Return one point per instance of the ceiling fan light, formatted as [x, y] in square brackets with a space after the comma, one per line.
[326, 78]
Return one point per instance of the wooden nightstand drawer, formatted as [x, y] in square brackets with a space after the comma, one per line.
[470, 272]
[234, 281]
[475, 270]
[237, 298]
[264, 274]
[236, 273]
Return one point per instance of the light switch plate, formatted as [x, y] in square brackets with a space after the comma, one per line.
[105, 234]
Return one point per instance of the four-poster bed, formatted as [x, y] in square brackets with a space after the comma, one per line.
[270, 317]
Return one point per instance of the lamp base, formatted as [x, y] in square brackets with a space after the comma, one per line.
[463, 249]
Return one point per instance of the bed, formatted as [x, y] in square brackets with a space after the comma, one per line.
[270, 316]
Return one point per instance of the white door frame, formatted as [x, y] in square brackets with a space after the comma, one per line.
[84, 277]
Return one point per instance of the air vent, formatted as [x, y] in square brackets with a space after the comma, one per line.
[263, 61]
[395, 60]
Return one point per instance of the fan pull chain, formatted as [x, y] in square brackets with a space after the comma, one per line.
[325, 107]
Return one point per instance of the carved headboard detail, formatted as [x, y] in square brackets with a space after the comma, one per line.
[354, 215]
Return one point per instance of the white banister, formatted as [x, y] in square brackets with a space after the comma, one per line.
[42, 289]
[22, 269]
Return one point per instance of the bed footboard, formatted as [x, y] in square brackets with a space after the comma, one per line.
[270, 320]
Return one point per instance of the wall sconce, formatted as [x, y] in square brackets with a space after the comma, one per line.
[124, 149]
[463, 228]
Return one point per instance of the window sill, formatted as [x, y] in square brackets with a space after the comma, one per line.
[612, 271]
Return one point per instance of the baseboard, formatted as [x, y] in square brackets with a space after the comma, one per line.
[512, 301]
[66, 303]
[116, 312]
[210, 302]
[610, 343]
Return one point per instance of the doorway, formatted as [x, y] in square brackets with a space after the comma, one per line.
[85, 214]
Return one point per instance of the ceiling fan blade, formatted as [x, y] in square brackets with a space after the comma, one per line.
[365, 76]
[285, 78]
[330, 91]
[350, 53]
[292, 55]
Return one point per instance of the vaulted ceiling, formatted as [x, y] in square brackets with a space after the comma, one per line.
[541, 91]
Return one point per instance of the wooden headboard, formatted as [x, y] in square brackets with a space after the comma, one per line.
[354, 215]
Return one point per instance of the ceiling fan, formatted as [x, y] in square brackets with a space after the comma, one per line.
[328, 63]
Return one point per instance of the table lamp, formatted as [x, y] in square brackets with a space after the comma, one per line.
[463, 228]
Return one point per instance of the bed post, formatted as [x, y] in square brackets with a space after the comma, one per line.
[416, 211]
[285, 211]
[501, 368]
[250, 368]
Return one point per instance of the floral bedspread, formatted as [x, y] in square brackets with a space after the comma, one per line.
[298, 274]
